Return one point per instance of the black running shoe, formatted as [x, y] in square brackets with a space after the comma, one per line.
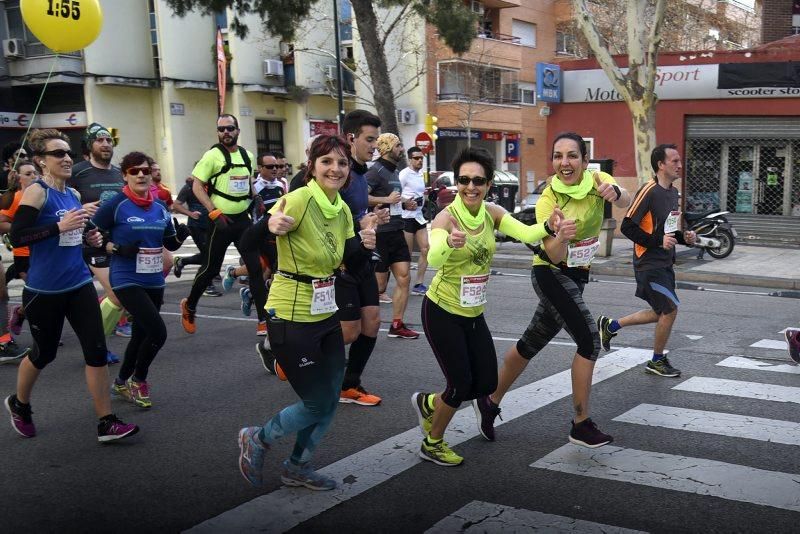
[662, 368]
[586, 434]
[177, 267]
[605, 334]
[267, 358]
[486, 411]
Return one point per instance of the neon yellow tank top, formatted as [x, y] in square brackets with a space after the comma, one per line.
[463, 278]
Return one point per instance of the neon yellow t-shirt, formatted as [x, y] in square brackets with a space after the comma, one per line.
[314, 248]
[586, 212]
[235, 182]
[472, 260]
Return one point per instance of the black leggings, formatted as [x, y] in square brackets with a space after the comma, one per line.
[252, 246]
[46, 313]
[218, 242]
[465, 352]
[200, 238]
[148, 333]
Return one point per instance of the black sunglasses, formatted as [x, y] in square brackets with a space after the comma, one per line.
[477, 181]
[59, 153]
[417, 157]
[136, 171]
[221, 129]
[273, 166]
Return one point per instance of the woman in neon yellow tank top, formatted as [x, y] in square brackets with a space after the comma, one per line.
[461, 247]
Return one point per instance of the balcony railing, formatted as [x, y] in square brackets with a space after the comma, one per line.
[496, 36]
[485, 99]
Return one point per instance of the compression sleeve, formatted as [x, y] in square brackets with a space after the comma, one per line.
[171, 242]
[355, 255]
[521, 231]
[440, 250]
[23, 229]
[632, 231]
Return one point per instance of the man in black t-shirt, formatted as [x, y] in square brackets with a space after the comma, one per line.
[652, 223]
[187, 204]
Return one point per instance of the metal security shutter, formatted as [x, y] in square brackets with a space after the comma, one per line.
[743, 127]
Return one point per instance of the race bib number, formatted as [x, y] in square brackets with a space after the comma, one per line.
[72, 238]
[396, 209]
[673, 222]
[149, 260]
[323, 299]
[238, 185]
[580, 254]
[473, 290]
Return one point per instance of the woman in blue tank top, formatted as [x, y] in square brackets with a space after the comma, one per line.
[51, 221]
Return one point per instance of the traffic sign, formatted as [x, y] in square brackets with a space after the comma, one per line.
[424, 142]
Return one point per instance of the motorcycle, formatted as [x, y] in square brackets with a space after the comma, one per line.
[715, 234]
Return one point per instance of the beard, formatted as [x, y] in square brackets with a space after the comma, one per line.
[101, 157]
[229, 140]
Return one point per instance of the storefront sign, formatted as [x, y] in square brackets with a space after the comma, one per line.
[448, 133]
[72, 119]
[492, 136]
[323, 127]
[548, 82]
[683, 82]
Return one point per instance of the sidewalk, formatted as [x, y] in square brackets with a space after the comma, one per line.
[747, 265]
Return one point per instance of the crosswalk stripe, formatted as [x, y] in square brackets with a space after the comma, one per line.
[769, 344]
[479, 517]
[737, 388]
[722, 424]
[380, 462]
[679, 473]
[741, 362]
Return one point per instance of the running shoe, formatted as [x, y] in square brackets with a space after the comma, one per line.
[121, 390]
[7, 242]
[11, 352]
[586, 434]
[123, 330]
[111, 429]
[267, 358]
[212, 291]
[229, 278]
[21, 420]
[400, 330]
[15, 320]
[111, 358]
[423, 405]
[247, 301]
[662, 368]
[304, 475]
[244, 280]
[177, 267]
[439, 453]
[140, 393]
[261, 329]
[605, 334]
[486, 411]
[793, 342]
[419, 289]
[251, 455]
[358, 395]
[383, 298]
[187, 317]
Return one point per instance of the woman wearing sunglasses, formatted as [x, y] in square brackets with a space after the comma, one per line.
[462, 247]
[138, 228]
[560, 273]
[51, 221]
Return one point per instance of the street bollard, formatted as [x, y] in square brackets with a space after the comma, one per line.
[607, 237]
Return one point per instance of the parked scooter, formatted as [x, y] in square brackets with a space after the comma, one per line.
[715, 234]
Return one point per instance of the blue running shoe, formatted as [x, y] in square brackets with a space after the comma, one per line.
[304, 475]
[247, 301]
[123, 330]
[229, 278]
[111, 358]
[251, 455]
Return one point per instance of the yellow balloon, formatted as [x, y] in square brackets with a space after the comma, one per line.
[63, 25]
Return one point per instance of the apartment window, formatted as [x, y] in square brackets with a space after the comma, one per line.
[459, 80]
[525, 31]
[565, 43]
[527, 94]
[221, 20]
[345, 21]
[269, 136]
[154, 38]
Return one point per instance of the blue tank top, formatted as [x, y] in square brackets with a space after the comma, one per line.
[130, 224]
[57, 264]
[356, 195]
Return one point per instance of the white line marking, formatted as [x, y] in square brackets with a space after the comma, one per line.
[694, 338]
[722, 424]
[769, 344]
[479, 517]
[285, 508]
[680, 473]
[736, 388]
[741, 362]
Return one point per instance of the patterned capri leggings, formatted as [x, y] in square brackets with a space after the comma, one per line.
[560, 306]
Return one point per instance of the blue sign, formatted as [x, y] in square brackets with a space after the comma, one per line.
[450, 133]
[512, 150]
[548, 82]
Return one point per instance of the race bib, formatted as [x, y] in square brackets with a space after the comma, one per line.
[420, 218]
[473, 290]
[323, 299]
[238, 185]
[396, 209]
[673, 222]
[149, 260]
[580, 254]
[72, 238]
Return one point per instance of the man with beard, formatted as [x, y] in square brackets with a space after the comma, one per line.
[223, 185]
[161, 192]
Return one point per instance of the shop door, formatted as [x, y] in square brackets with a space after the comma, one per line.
[770, 179]
[741, 178]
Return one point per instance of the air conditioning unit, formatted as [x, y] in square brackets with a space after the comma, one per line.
[286, 49]
[13, 48]
[406, 116]
[331, 72]
[273, 67]
[477, 7]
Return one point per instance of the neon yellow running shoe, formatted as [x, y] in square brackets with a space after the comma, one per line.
[439, 453]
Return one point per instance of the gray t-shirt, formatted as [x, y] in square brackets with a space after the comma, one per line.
[96, 184]
[382, 179]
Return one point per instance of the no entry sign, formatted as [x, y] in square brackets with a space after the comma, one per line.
[424, 142]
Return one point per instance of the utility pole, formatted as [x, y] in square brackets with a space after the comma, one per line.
[339, 74]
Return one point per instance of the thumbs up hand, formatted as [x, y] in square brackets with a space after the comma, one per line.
[280, 223]
[554, 222]
[457, 238]
[605, 189]
[382, 213]
[368, 224]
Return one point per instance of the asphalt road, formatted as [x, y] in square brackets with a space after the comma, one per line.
[181, 470]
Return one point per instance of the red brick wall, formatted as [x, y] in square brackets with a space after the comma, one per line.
[776, 20]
